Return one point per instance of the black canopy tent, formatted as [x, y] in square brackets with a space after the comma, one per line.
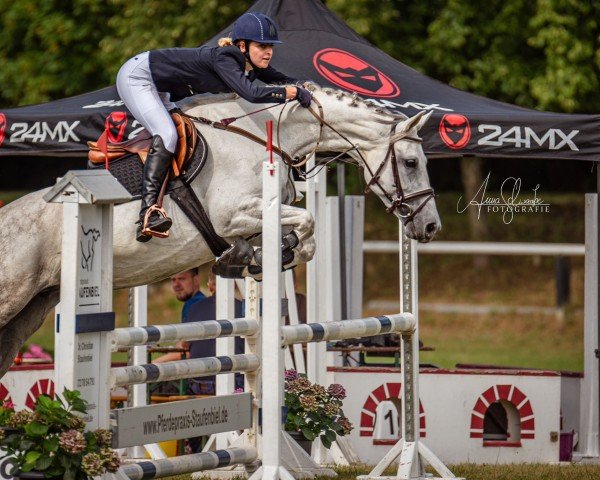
[321, 47]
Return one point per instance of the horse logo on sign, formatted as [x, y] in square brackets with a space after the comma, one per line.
[351, 73]
[88, 241]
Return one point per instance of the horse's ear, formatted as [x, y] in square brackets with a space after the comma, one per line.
[416, 121]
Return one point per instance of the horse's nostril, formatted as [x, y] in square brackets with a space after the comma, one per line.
[431, 227]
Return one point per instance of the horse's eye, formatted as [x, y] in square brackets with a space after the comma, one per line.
[410, 162]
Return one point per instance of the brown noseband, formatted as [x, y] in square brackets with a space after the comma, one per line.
[399, 202]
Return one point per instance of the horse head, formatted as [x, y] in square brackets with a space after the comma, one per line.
[389, 150]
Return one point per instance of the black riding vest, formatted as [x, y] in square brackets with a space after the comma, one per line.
[183, 72]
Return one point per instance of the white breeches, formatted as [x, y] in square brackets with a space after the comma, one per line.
[149, 106]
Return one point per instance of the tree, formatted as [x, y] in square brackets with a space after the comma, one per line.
[49, 49]
[52, 49]
[143, 25]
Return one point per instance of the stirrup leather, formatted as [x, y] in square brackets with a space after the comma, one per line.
[146, 230]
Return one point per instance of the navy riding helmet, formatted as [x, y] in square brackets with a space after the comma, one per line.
[256, 27]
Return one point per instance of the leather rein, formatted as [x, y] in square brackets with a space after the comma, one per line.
[398, 199]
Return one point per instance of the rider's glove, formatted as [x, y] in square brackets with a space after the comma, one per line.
[303, 96]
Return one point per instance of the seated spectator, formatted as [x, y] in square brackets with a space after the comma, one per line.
[207, 310]
[186, 287]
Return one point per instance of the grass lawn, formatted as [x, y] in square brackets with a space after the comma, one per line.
[487, 472]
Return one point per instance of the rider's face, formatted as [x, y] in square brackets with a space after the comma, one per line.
[260, 53]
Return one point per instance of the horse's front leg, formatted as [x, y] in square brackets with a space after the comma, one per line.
[302, 227]
[298, 244]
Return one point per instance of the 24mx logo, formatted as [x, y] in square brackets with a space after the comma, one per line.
[63, 131]
[523, 137]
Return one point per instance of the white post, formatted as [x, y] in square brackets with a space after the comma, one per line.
[355, 231]
[140, 353]
[81, 360]
[316, 298]
[588, 447]
[82, 350]
[290, 293]
[409, 463]
[272, 366]
[139, 356]
[253, 382]
[64, 336]
[409, 452]
[225, 346]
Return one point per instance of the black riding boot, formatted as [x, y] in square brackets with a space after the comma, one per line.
[156, 168]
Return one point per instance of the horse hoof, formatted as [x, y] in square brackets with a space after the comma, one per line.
[228, 271]
[239, 254]
[287, 256]
[290, 240]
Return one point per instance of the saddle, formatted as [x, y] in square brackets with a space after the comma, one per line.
[125, 164]
[126, 159]
[187, 139]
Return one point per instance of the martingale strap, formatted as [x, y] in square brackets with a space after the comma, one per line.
[183, 195]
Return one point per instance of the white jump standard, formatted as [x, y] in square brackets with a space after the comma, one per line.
[93, 368]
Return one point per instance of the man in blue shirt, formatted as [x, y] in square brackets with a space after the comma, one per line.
[199, 312]
[207, 310]
[186, 287]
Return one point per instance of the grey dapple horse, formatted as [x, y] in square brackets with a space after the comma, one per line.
[230, 188]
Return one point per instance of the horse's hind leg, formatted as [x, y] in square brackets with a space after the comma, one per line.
[15, 333]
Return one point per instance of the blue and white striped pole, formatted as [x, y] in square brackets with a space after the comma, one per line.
[188, 463]
[133, 336]
[190, 368]
[364, 327]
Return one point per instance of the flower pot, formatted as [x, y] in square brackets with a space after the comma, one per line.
[9, 431]
[33, 475]
[301, 440]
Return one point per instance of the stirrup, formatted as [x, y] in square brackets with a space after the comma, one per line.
[148, 231]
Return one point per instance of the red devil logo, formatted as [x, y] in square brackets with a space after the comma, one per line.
[455, 130]
[351, 73]
[115, 126]
[2, 127]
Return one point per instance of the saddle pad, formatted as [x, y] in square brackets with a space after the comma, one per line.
[128, 169]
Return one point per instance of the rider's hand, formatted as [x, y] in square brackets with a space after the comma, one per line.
[303, 96]
[290, 93]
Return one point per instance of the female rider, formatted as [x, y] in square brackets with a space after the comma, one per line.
[149, 82]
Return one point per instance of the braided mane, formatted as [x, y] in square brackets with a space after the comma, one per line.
[355, 101]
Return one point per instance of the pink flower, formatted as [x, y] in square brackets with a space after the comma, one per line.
[72, 441]
[336, 391]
